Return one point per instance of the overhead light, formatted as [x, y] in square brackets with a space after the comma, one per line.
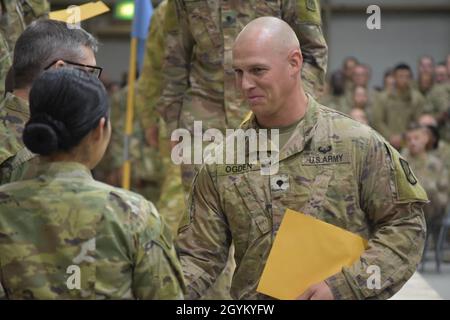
[124, 10]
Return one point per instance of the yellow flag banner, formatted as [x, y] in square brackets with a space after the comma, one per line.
[306, 251]
[75, 14]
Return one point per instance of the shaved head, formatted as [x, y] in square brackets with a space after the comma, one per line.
[270, 33]
[267, 62]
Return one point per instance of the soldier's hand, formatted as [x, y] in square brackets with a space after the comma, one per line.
[319, 291]
[152, 136]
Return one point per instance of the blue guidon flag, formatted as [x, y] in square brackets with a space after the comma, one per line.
[143, 11]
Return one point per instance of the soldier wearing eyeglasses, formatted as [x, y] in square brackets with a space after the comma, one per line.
[44, 44]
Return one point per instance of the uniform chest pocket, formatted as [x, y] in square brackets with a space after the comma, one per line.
[339, 201]
[204, 29]
[246, 207]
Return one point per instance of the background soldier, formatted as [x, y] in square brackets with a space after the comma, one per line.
[15, 15]
[394, 111]
[44, 44]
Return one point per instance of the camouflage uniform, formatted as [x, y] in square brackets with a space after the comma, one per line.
[200, 80]
[393, 112]
[171, 203]
[331, 168]
[443, 154]
[435, 180]
[149, 86]
[14, 114]
[116, 238]
[437, 103]
[5, 63]
[146, 163]
[15, 15]
[23, 165]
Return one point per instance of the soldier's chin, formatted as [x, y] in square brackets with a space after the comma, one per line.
[256, 106]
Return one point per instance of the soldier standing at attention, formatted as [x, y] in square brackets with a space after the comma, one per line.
[368, 189]
[63, 223]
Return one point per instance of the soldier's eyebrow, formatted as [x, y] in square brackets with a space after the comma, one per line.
[251, 66]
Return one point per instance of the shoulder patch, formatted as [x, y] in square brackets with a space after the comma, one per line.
[311, 5]
[309, 11]
[407, 186]
[408, 173]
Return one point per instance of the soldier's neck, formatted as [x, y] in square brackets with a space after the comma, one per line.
[22, 93]
[292, 112]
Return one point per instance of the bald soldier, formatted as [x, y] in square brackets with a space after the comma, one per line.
[329, 167]
[199, 78]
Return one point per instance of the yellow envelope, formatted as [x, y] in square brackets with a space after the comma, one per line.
[306, 251]
[79, 13]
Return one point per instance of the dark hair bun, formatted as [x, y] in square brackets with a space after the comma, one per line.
[44, 135]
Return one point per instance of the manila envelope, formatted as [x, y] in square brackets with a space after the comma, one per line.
[306, 251]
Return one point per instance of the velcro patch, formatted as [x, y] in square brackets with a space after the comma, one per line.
[318, 159]
[309, 11]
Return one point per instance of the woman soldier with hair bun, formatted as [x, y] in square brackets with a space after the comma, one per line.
[65, 235]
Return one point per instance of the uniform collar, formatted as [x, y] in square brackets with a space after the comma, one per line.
[302, 134]
[14, 103]
[63, 169]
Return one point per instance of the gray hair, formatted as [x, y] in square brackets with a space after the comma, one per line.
[43, 42]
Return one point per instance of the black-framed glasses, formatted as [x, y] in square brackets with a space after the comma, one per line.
[97, 71]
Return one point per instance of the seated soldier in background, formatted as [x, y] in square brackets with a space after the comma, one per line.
[359, 115]
[393, 111]
[431, 173]
[62, 230]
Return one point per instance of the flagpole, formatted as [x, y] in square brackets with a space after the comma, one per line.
[142, 14]
[126, 177]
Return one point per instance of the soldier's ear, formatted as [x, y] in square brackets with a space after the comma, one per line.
[59, 64]
[101, 130]
[295, 60]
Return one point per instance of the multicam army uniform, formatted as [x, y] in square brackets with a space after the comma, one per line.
[14, 114]
[393, 112]
[200, 81]
[146, 166]
[15, 15]
[435, 180]
[438, 103]
[171, 202]
[63, 220]
[331, 168]
[5, 63]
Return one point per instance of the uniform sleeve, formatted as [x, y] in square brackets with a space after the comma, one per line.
[149, 86]
[419, 106]
[2, 290]
[5, 63]
[392, 199]
[442, 186]
[178, 49]
[205, 242]
[378, 117]
[304, 17]
[157, 271]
